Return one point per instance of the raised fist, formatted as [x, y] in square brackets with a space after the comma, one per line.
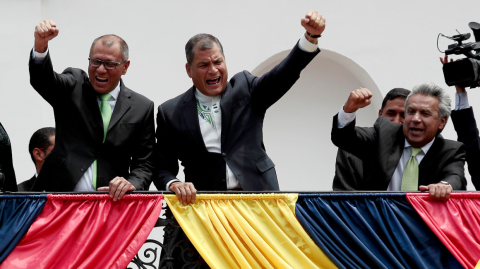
[359, 98]
[314, 23]
[44, 32]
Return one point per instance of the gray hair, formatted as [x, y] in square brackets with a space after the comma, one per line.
[110, 40]
[204, 41]
[431, 89]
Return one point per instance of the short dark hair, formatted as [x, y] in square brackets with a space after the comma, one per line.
[40, 139]
[395, 93]
[205, 41]
[110, 40]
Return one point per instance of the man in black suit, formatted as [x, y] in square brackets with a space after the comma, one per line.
[8, 183]
[467, 132]
[104, 130]
[40, 146]
[215, 127]
[349, 170]
[416, 147]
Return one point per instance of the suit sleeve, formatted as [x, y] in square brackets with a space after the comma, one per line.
[348, 172]
[165, 158]
[141, 167]
[358, 141]
[453, 170]
[49, 84]
[269, 88]
[467, 133]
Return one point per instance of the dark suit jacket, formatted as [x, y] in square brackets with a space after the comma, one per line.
[127, 149]
[348, 172]
[383, 145]
[27, 184]
[6, 163]
[244, 103]
[467, 132]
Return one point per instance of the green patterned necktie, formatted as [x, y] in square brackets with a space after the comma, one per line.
[106, 111]
[206, 113]
[410, 173]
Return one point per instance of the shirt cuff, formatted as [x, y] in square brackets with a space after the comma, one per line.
[345, 118]
[37, 56]
[461, 101]
[305, 45]
[170, 182]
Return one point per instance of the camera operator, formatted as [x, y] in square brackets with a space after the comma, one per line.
[467, 131]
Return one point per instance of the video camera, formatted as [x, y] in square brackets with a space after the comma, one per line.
[464, 72]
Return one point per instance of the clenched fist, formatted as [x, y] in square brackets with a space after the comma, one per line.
[314, 23]
[44, 32]
[359, 98]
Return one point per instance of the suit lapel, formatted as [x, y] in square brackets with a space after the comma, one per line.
[429, 161]
[189, 110]
[91, 102]
[226, 107]
[121, 106]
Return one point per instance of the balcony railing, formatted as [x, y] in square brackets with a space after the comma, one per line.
[178, 252]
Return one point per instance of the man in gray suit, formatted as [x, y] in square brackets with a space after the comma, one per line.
[409, 157]
[349, 170]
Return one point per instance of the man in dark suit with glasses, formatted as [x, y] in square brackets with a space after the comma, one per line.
[104, 130]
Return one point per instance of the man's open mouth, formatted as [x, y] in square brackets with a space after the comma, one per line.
[213, 82]
[416, 130]
[101, 80]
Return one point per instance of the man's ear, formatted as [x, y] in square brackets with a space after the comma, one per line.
[380, 112]
[443, 121]
[189, 70]
[125, 67]
[38, 154]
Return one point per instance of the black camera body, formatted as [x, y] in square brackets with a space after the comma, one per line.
[464, 72]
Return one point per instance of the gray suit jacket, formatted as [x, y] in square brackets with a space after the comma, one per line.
[383, 145]
[348, 172]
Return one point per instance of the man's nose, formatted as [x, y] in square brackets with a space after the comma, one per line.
[416, 117]
[212, 69]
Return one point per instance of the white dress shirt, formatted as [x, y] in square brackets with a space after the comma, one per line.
[85, 182]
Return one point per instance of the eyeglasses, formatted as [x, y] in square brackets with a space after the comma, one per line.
[109, 65]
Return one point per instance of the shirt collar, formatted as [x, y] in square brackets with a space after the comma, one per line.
[424, 148]
[206, 99]
[114, 93]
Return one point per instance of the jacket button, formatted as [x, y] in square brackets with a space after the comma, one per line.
[83, 169]
[224, 154]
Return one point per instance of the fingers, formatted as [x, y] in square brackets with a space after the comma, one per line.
[186, 192]
[313, 22]
[439, 192]
[423, 188]
[44, 31]
[118, 187]
[358, 98]
[47, 29]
